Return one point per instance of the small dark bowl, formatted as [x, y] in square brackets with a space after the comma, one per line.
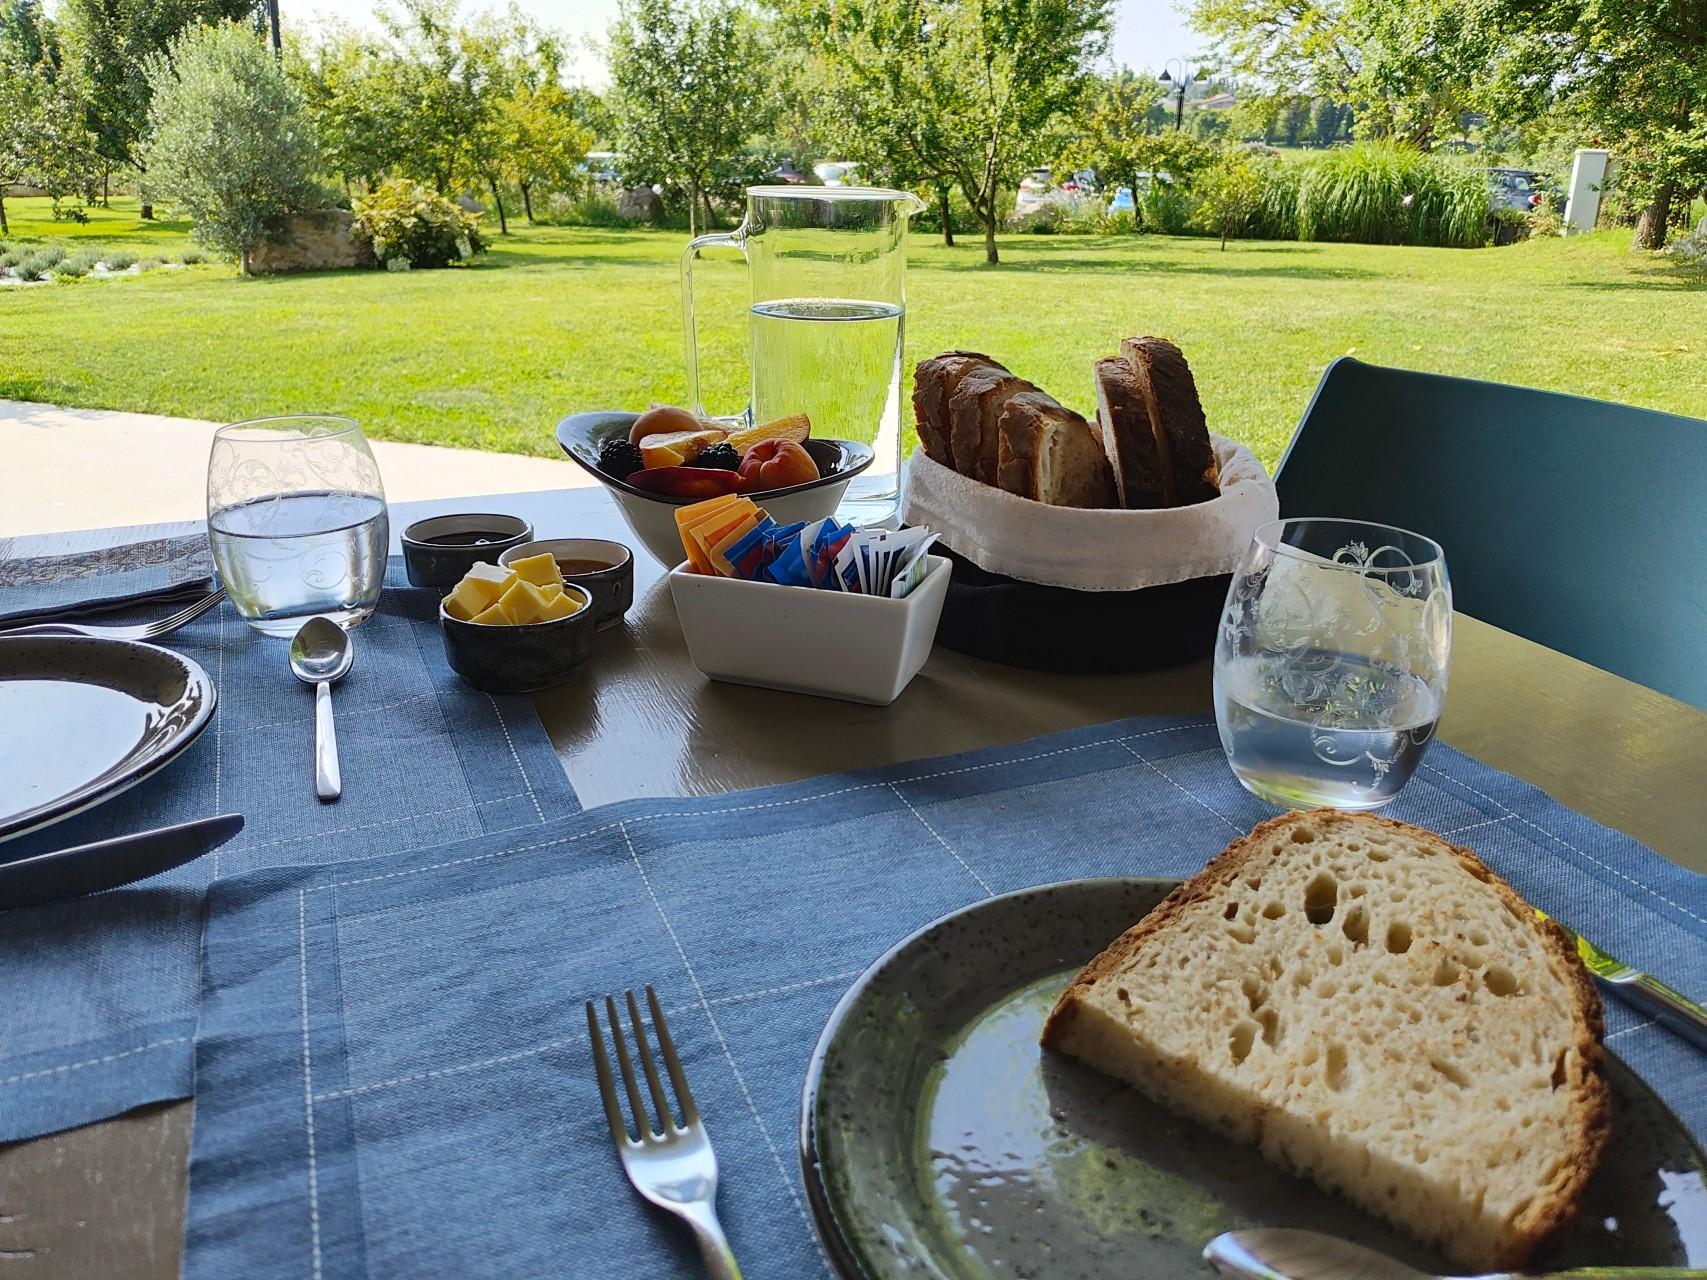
[440, 567]
[537, 655]
[612, 587]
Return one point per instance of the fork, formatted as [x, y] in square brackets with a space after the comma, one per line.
[673, 1164]
[141, 631]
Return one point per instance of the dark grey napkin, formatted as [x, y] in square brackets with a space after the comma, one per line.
[52, 588]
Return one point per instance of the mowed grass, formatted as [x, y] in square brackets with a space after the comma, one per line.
[558, 320]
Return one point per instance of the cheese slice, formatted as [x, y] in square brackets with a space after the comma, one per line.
[707, 532]
[689, 517]
[718, 551]
[541, 570]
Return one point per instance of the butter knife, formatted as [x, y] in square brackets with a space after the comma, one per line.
[107, 864]
[1641, 991]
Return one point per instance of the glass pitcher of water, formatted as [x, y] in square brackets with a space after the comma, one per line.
[828, 270]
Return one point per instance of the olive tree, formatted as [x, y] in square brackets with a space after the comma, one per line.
[228, 141]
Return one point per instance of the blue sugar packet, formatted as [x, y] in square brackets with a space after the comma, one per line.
[746, 557]
[776, 544]
[789, 568]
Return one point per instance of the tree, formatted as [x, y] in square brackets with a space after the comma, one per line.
[688, 83]
[42, 139]
[349, 92]
[951, 90]
[1228, 194]
[543, 142]
[106, 46]
[228, 140]
[27, 35]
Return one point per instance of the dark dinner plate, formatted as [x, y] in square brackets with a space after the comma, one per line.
[939, 1140]
[83, 719]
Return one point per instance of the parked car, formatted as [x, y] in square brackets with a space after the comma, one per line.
[1520, 190]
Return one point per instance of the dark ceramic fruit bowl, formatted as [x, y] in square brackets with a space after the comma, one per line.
[652, 516]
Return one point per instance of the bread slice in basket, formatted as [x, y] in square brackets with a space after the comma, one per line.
[1374, 1008]
[1048, 453]
[1140, 475]
[1190, 470]
[934, 381]
[974, 409]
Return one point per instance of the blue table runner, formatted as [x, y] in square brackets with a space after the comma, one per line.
[98, 996]
[393, 1076]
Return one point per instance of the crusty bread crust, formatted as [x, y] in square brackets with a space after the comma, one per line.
[973, 411]
[1555, 1208]
[1034, 429]
[1176, 418]
[934, 381]
[1140, 476]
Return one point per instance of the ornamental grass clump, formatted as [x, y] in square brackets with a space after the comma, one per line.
[119, 260]
[1382, 193]
[411, 226]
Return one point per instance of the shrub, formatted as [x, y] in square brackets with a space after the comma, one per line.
[84, 258]
[1043, 221]
[594, 209]
[1165, 208]
[32, 268]
[11, 258]
[1691, 251]
[1379, 193]
[1228, 195]
[50, 255]
[407, 222]
[192, 256]
[119, 259]
[148, 264]
[228, 140]
[71, 269]
[1545, 221]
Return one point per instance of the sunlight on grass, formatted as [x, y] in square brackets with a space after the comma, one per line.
[558, 320]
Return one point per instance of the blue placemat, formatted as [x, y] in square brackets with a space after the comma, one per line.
[393, 1075]
[98, 996]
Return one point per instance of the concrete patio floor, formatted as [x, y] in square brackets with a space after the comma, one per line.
[63, 469]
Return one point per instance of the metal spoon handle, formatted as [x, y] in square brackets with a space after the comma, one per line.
[328, 782]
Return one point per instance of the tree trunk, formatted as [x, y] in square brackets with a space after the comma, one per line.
[106, 185]
[943, 211]
[693, 209]
[1651, 227]
[988, 214]
[1223, 238]
[146, 213]
[5, 227]
[527, 201]
[503, 224]
[710, 213]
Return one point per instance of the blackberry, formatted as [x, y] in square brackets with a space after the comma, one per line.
[724, 457]
[620, 458]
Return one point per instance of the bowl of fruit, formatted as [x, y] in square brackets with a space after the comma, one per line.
[665, 458]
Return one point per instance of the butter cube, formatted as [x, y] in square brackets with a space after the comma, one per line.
[522, 603]
[491, 617]
[551, 591]
[562, 606]
[479, 587]
[541, 570]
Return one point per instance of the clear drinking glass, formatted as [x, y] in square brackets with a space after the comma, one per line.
[1330, 662]
[828, 273]
[296, 521]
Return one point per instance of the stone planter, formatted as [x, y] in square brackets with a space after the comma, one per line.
[319, 240]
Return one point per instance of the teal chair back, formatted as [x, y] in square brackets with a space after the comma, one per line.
[1578, 524]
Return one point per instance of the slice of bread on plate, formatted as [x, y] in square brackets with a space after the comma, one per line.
[1169, 392]
[1375, 1009]
[1141, 477]
[934, 381]
[1048, 453]
[974, 408]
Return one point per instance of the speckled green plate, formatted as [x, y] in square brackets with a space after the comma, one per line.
[939, 1140]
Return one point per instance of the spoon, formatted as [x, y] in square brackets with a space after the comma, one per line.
[320, 655]
[1281, 1254]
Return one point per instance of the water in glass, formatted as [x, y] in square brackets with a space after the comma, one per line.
[839, 362]
[1331, 662]
[297, 521]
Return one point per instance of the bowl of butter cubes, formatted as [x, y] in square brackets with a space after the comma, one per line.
[811, 607]
[516, 628]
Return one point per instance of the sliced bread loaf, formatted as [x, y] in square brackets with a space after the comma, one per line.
[1140, 476]
[974, 408]
[1189, 466]
[934, 381]
[1049, 454]
[1373, 1008]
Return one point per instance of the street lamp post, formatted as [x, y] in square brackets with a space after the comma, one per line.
[1176, 85]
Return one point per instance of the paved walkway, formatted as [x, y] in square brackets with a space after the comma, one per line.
[64, 469]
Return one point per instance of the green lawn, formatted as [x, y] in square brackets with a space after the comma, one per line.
[557, 320]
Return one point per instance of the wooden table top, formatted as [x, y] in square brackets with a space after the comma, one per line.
[108, 1199]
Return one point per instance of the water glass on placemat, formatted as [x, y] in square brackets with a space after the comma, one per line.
[296, 519]
[1330, 662]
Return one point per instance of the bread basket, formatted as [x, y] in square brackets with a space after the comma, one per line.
[1074, 590]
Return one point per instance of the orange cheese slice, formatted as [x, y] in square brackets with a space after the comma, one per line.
[689, 516]
[717, 547]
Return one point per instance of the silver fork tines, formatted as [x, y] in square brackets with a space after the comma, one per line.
[670, 1162]
[141, 631]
